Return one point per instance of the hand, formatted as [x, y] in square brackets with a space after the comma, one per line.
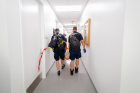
[64, 50]
[84, 50]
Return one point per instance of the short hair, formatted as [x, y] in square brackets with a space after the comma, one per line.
[74, 28]
[64, 34]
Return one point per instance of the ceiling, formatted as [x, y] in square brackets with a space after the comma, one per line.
[66, 17]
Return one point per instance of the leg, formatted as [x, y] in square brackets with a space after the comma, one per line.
[61, 54]
[77, 63]
[62, 62]
[78, 52]
[72, 57]
[57, 65]
[71, 64]
[56, 57]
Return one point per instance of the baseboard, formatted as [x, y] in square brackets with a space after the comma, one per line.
[50, 69]
[35, 83]
[89, 77]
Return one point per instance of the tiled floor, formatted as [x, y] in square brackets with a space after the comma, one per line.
[65, 83]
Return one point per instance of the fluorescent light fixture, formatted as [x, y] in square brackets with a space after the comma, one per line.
[68, 8]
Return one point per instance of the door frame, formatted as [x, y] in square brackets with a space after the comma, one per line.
[42, 38]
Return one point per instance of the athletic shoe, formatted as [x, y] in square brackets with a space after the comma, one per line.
[58, 73]
[63, 66]
[71, 72]
[76, 70]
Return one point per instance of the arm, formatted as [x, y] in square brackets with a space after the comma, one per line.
[66, 44]
[69, 42]
[69, 45]
[83, 43]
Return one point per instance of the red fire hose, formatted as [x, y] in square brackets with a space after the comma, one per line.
[40, 59]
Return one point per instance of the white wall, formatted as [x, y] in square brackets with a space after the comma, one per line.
[38, 20]
[5, 85]
[13, 14]
[20, 42]
[31, 26]
[130, 76]
[104, 55]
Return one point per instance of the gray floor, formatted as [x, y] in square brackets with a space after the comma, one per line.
[65, 83]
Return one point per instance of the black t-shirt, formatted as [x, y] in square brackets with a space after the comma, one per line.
[78, 36]
[66, 39]
[61, 36]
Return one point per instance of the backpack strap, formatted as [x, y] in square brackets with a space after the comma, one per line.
[73, 34]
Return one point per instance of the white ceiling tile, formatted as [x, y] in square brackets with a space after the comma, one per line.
[58, 2]
[67, 17]
[77, 2]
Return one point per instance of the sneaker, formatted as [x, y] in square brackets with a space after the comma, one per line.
[58, 73]
[63, 66]
[76, 70]
[71, 72]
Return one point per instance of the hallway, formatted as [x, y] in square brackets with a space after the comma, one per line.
[109, 28]
[65, 83]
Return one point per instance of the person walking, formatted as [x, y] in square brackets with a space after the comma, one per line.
[58, 52]
[65, 37]
[75, 52]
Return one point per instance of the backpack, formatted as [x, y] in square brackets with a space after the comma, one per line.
[61, 43]
[57, 41]
[53, 42]
[74, 42]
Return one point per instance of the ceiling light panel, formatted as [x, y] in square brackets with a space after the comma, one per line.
[68, 8]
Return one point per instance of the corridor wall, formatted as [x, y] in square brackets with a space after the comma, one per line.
[5, 84]
[22, 35]
[38, 23]
[104, 55]
[31, 32]
[130, 76]
[12, 54]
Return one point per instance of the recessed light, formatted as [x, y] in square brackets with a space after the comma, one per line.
[69, 24]
[68, 8]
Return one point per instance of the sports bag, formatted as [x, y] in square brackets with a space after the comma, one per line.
[74, 42]
[67, 54]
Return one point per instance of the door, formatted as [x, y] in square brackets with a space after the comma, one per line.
[31, 22]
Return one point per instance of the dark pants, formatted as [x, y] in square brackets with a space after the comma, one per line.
[75, 54]
[59, 53]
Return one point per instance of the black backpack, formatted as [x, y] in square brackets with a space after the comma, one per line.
[57, 41]
[53, 42]
[74, 42]
[60, 42]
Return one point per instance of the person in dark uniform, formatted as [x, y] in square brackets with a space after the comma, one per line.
[65, 38]
[59, 53]
[75, 53]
